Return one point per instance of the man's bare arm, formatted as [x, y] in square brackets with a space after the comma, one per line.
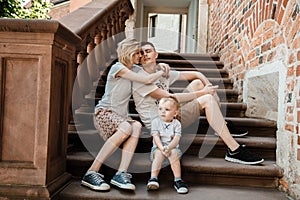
[186, 75]
[183, 97]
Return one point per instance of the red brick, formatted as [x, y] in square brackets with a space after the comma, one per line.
[298, 103]
[269, 25]
[277, 41]
[296, 43]
[271, 56]
[257, 42]
[280, 16]
[298, 54]
[251, 55]
[284, 3]
[289, 127]
[290, 109]
[298, 154]
[267, 12]
[290, 71]
[298, 71]
[269, 34]
[265, 47]
[291, 59]
[254, 63]
[290, 118]
[270, 9]
[298, 116]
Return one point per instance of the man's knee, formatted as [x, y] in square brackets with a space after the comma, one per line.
[206, 100]
[197, 83]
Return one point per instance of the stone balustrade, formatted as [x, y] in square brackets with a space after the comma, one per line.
[101, 25]
[36, 67]
[43, 64]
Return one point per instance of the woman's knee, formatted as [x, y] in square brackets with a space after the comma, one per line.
[136, 129]
[125, 128]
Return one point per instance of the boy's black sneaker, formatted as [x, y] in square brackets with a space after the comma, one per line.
[242, 156]
[181, 187]
[153, 184]
[95, 181]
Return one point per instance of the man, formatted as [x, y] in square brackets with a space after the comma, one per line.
[200, 97]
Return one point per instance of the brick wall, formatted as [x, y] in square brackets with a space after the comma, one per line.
[60, 10]
[249, 34]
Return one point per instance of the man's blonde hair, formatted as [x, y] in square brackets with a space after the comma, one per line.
[126, 49]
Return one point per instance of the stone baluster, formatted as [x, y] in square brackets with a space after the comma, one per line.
[109, 34]
[92, 67]
[99, 52]
[83, 78]
[104, 45]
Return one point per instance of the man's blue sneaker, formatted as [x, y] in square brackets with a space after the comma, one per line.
[95, 181]
[122, 180]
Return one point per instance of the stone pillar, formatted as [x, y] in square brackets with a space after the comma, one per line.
[202, 27]
[36, 60]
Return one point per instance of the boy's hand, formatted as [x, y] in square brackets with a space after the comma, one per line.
[166, 151]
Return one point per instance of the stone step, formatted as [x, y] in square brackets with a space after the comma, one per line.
[210, 73]
[228, 108]
[202, 191]
[191, 143]
[223, 83]
[187, 56]
[210, 170]
[226, 96]
[255, 127]
[210, 64]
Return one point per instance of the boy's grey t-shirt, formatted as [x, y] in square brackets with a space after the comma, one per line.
[145, 105]
[166, 131]
[117, 91]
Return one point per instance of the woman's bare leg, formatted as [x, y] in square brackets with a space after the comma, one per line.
[111, 145]
[129, 146]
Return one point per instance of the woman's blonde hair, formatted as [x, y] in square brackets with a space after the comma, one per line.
[126, 49]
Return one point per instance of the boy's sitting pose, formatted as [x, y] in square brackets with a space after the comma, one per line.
[166, 132]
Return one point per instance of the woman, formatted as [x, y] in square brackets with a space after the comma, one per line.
[112, 121]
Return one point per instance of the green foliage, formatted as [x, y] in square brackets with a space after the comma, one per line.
[14, 9]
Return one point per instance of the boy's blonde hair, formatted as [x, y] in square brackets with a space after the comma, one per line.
[176, 103]
[172, 99]
[126, 49]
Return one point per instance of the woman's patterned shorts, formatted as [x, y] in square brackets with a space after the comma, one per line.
[107, 122]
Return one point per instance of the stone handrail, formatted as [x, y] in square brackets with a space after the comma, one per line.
[101, 25]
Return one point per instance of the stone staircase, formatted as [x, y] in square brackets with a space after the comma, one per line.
[84, 141]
